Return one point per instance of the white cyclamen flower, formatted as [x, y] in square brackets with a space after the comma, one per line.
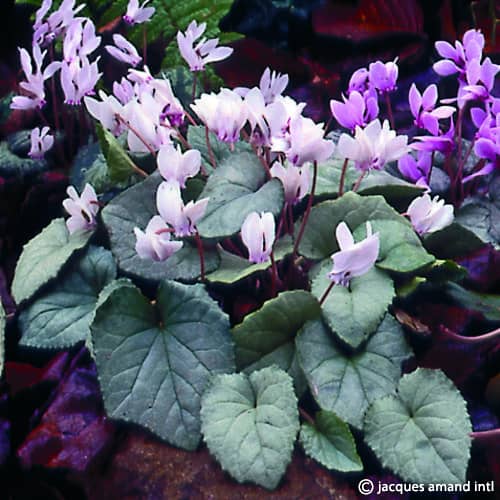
[224, 113]
[258, 234]
[155, 243]
[373, 146]
[41, 142]
[203, 52]
[428, 215]
[182, 218]
[82, 209]
[353, 259]
[296, 181]
[175, 166]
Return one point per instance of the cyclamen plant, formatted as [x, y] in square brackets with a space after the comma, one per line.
[227, 206]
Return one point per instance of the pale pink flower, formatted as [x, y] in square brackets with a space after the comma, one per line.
[428, 215]
[296, 181]
[258, 234]
[82, 209]
[155, 243]
[177, 167]
[41, 142]
[136, 14]
[123, 50]
[353, 259]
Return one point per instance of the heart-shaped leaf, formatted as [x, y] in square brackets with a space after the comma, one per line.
[347, 383]
[452, 241]
[318, 241]
[354, 312]
[330, 442]
[44, 256]
[134, 208]
[266, 336]
[250, 422]
[154, 360]
[422, 434]
[237, 187]
[61, 317]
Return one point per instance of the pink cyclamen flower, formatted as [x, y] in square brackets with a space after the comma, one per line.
[123, 50]
[224, 113]
[359, 81]
[428, 215]
[136, 14]
[182, 218]
[204, 52]
[258, 234]
[34, 84]
[296, 181]
[424, 111]
[78, 79]
[82, 209]
[271, 85]
[177, 167]
[416, 170]
[306, 142]
[356, 110]
[383, 76]
[80, 39]
[155, 243]
[353, 259]
[41, 142]
[373, 146]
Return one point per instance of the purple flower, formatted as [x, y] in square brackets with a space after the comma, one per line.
[423, 108]
[373, 146]
[457, 57]
[353, 259]
[155, 243]
[123, 91]
[428, 215]
[124, 51]
[82, 209]
[136, 14]
[416, 170]
[360, 81]
[182, 218]
[172, 109]
[480, 79]
[41, 142]
[204, 52]
[444, 143]
[224, 113]
[258, 234]
[296, 181]
[175, 166]
[383, 76]
[34, 84]
[357, 110]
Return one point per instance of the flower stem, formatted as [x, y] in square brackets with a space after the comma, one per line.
[199, 245]
[326, 292]
[308, 209]
[136, 132]
[193, 89]
[342, 177]
[472, 340]
[389, 109]
[306, 416]
[290, 220]
[209, 147]
[358, 182]
[485, 434]
[274, 275]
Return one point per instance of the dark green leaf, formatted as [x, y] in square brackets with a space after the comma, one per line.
[154, 360]
[452, 241]
[486, 304]
[250, 424]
